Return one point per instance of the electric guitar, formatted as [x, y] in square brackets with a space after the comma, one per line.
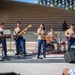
[15, 37]
[71, 36]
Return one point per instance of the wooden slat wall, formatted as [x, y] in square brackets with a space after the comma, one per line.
[36, 14]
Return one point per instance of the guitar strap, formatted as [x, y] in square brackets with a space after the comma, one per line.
[19, 31]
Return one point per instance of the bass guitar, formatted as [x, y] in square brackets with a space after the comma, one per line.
[15, 37]
[71, 36]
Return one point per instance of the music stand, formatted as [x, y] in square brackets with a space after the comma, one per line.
[8, 33]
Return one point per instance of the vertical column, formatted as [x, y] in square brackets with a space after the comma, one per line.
[48, 2]
[59, 3]
[74, 4]
[55, 2]
[41, 2]
[63, 4]
[51, 3]
[66, 4]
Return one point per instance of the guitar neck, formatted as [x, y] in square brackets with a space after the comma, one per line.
[23, 31]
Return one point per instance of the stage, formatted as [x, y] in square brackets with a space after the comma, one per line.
[52, 65]
[30, 65]
[32, 58]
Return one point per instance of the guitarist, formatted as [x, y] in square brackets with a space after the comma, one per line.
[20, 39]
[41, 40]
[70, 34]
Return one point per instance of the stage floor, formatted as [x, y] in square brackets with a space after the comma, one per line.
[32, 58]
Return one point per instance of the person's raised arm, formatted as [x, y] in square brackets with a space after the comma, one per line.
[67, 33]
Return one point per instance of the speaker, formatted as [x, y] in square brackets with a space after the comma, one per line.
[9, 73]
[70, 56]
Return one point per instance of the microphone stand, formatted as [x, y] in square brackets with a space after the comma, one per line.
[59, 49]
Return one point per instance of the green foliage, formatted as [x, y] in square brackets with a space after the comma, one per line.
[56, 6]
[71, 8]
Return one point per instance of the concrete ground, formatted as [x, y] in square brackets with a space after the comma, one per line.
[52, 65]
[35, 68]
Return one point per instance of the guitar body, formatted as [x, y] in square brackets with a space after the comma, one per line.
[68, 38]
[15, 37]
[72, 36]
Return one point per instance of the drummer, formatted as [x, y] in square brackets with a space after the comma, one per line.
[52, 37]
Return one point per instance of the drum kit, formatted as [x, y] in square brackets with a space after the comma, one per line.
[51, 48]
[50, 45]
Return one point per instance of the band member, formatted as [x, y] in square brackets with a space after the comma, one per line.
[3, 40]
[41, 40]
[20, 39]
[70, 34]
[52, 36]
